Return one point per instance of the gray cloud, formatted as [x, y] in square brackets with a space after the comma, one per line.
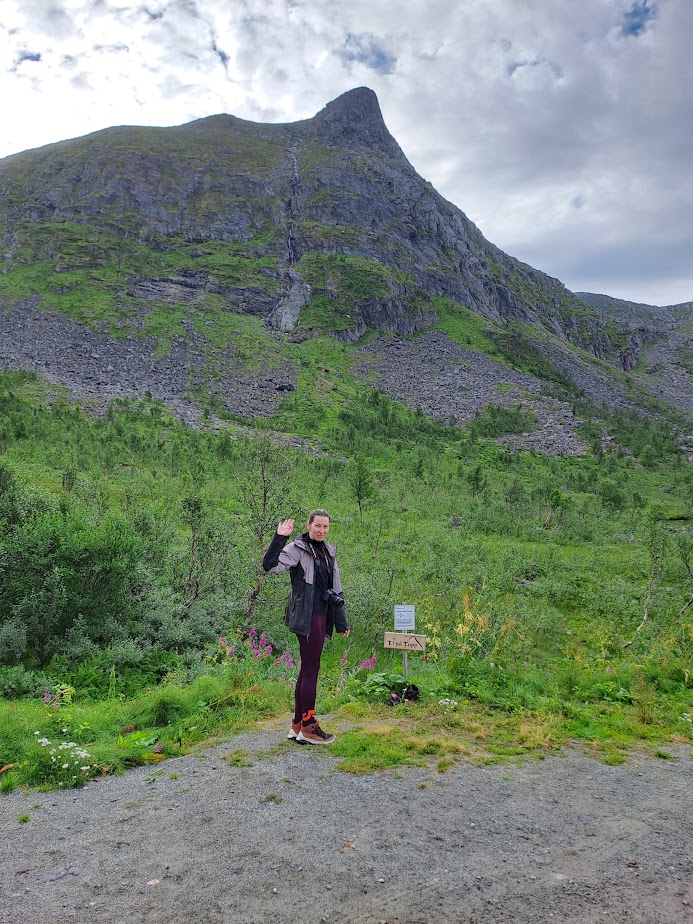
[49, 18]
[220, 53]
[81, 82]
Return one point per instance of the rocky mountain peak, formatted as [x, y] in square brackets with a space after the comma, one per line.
[354, 119]
[317, 226]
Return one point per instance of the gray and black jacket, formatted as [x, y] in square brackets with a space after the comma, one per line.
[297, 558]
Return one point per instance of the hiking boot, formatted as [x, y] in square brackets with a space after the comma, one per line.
[313, 734]
[294, 730]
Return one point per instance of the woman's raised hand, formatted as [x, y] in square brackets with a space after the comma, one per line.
[285, 528]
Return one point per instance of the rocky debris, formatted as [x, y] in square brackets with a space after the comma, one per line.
[555, 435]
[452, 383]
[445, 380]
[597, 384]
[97, 368]
[666, 375]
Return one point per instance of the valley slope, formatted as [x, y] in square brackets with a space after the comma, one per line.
[204, 263]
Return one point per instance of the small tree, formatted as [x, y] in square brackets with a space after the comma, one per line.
[9, 498]
[209, 546]
[476, 480]
[266, 486]
[361, 481]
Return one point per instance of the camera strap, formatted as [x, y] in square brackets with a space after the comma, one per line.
[324, 556]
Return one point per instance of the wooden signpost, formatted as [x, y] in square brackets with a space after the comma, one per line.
[405, 641]
[403, 638]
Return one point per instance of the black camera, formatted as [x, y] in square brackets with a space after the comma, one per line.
[331, 596]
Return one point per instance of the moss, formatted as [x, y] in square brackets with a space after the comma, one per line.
[520, 352]
[340, 283]
[330, 234]
[464, 325]
[327, 314]
[314, 155]
[354, 278]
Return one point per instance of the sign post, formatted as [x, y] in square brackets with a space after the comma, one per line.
[405, 623]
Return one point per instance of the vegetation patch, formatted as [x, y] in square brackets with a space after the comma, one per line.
[554, 593]
[518, 350]
[465, 326]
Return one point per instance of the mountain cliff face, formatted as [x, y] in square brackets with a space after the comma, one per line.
[666, 364]
[179, 260]
[324, 218]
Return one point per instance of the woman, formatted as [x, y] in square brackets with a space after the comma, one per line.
[314, 609]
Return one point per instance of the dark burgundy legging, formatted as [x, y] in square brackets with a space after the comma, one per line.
[307, 682]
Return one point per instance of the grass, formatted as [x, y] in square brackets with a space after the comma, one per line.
[168, 721]
[465, 326]
[532, 629]
[370, 737]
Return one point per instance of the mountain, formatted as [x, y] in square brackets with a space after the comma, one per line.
[666, 366]
[630, 312]
[193, 262]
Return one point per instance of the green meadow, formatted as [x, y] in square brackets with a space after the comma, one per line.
[556, 594]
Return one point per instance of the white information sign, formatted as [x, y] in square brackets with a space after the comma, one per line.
[404, 617]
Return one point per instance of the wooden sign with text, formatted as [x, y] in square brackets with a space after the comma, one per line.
[404, 641]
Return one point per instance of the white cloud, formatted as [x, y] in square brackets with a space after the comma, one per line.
[561, 129]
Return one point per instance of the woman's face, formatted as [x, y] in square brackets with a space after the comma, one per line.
[319, 528]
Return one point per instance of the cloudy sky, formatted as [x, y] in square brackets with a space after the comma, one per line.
[562, 128]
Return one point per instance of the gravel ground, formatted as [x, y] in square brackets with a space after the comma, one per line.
[201, 841]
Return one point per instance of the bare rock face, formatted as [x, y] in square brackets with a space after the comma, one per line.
[286, 314]
[354, 120]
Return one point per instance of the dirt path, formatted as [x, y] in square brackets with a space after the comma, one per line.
[288, 839]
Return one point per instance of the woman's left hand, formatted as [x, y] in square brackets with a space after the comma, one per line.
[345, 634]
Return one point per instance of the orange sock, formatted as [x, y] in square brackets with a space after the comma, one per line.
[309, 717]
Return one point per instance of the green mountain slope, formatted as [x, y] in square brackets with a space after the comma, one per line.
[321, 223]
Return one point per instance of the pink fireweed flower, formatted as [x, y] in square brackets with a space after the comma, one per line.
[369, 664]
[261, 648]
[285, 659]
[222, 641]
